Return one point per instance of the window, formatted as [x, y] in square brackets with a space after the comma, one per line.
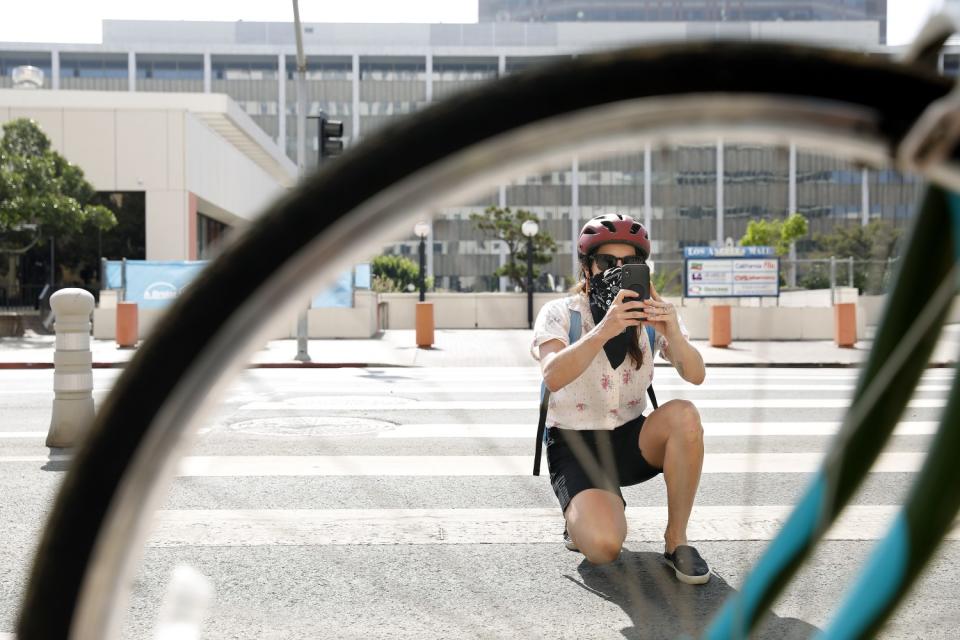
[170, 68]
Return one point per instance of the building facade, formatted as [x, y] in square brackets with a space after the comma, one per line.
[682, 11]
[367, 75]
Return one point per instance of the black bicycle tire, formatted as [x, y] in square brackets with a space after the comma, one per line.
[898, 94]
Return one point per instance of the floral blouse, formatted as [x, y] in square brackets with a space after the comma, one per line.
[601, 398]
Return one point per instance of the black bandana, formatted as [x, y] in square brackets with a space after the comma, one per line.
[604, 287]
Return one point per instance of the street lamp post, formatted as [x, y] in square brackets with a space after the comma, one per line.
[530, 229]
[424, 317]
[422, 229]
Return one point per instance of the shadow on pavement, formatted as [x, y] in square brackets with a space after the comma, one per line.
[661, 607]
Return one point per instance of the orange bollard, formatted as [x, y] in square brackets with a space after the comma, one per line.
[720, 333]
[845, 324]
[127, 325]
[424, 324]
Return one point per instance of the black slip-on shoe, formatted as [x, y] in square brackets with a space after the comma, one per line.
[688, 565]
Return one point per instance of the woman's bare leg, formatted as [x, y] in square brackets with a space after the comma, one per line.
[672, 439]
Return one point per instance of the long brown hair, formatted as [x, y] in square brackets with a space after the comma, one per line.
[583, 287]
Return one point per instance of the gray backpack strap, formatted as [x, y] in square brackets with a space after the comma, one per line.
[652, 338]
[573, 335]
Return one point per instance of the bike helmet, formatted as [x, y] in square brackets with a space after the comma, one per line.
[613, 227]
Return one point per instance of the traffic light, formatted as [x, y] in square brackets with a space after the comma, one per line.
[330, 133]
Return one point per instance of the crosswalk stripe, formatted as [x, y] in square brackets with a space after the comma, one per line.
[374, 403]
[711, 429]
[22, 434]
[196, 527]
[530, 389]
[274, 466]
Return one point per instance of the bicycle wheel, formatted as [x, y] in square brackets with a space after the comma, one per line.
[855, 106]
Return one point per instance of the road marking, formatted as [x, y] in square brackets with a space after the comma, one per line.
[526, 430]
[235, 466]
[275, 466]
[362, 403]
[197, 527]
[711, 429]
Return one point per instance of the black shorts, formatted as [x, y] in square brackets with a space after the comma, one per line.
[608, 460]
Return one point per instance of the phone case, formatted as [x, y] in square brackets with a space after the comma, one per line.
[636, 277]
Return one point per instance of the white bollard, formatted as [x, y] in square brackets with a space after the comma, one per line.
[72, 368]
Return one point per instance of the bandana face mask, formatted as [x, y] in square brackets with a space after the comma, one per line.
[604, 288]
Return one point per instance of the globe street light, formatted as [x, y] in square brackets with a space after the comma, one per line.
[530, 229]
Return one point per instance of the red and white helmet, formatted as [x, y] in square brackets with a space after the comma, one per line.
[613, 227]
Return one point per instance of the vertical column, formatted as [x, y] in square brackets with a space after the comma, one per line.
[131, 71]
[647, 187]
[720, 237]
[207, 73]
[502, 202]
[864, 197]
[429, 66]
[356, 99]
[282, 102]
[501, 66]
[575, 214]
[792, 209]
[55, 69]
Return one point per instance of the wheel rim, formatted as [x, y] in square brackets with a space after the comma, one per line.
[853, 131]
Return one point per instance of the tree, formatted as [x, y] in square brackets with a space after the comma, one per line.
[41, 194]
[396, 273]
[504, 224]
[775, 233]
[870, 246]
[39, 187]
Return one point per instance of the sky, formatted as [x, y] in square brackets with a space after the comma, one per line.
[79, 20]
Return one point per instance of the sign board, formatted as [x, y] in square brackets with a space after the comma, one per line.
[154, 284]
[731, 272]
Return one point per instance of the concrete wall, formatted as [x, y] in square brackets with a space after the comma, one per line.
[236, 187]
[466, 310]
[509, 311]
[361, 321]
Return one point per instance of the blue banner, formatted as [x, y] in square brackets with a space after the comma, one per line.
[728, 252]
[361, 278]
[340, 295]
[155, 284]
[113, 275]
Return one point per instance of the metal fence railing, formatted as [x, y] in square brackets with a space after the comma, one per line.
[21, 298]
[871, 277]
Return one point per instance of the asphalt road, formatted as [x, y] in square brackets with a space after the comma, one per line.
[398, 503]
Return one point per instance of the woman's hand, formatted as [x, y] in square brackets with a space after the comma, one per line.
[621, 315]
[662, 316]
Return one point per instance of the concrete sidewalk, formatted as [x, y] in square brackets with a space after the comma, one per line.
[474, 348]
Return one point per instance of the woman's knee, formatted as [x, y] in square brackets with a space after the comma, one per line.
[685, 420]
[601, 546]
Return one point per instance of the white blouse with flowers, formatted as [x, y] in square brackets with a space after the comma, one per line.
[601, 397]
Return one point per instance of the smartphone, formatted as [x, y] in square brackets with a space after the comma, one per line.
[636, 277]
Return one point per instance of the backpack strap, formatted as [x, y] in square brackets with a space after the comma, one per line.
[573, 335]
[652, 338]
